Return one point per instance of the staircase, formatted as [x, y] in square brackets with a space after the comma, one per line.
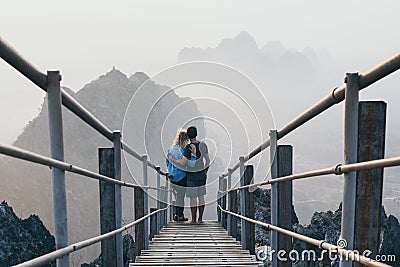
[199, 244]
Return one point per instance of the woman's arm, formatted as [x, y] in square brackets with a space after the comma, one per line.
[183, 161]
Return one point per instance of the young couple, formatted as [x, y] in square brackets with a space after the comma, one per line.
[187, 163]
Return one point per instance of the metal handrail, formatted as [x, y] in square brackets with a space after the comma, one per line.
[22, 154]
[376, 73]
[39, 261]
[18, 62]
[19, 153]
[337, 169]
[320, 243]
[12, 57]
[136, 155]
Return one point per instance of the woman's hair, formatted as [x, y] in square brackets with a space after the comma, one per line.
[181, 138]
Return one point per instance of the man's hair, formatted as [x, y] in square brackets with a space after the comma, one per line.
[191, 132]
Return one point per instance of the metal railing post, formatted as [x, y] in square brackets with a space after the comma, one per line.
[350, 156]
[273, 135]
[118, 198]
[145, 202]
[107, 192]
[248, 228]
[58, 175]
[371, 146]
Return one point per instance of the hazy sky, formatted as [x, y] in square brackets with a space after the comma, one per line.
[85, 39]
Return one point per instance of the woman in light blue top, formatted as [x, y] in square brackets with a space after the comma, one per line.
[177, 172]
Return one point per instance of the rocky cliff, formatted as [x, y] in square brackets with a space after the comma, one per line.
[22, 239]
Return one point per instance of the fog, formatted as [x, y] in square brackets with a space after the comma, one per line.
[291, 53]
[85, 39]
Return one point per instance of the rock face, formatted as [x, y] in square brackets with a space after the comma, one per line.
[22, 239]
[129, 253]
[390, 245]
[326, 226]
[262, 200]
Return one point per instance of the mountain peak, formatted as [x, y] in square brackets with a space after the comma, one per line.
[139, 77]
[241, 42]
[245, 37]
[112, 78]
[114, 73]
[273, 48]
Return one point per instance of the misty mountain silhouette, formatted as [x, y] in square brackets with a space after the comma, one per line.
[273, 60]
[293, 80]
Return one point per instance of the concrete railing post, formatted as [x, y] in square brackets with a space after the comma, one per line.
[107, 207]
[371, 146]
[247, 204]
[153, 223]
[223, 203]
[350, 156]
[229, 221]
[118, 198]
[158, 200]
[145, 202]
[242, 198]
[57, 152]
[140, 236]
[166, 196]
[163, 204]
[170, 202]
[233, 207]
[284, 155]
[274, 194]
[219, 212]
